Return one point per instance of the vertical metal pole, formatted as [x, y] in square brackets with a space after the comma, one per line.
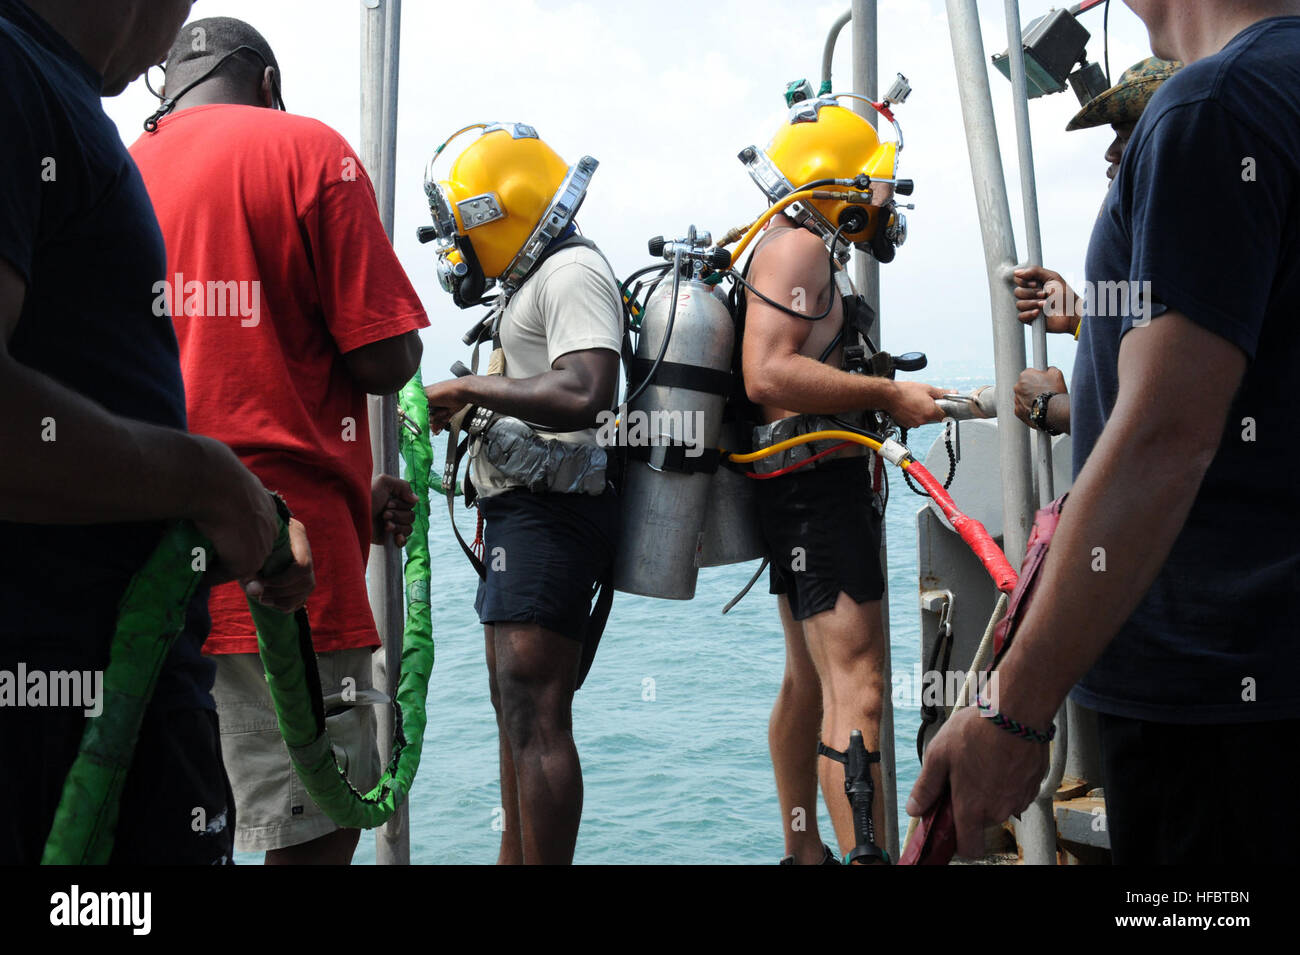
[1037, 827]
[1033, 235]
[866, 276]
[1008, 336]
[380, 28]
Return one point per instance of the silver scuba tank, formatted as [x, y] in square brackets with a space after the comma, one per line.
[731, 532]
[672, 432]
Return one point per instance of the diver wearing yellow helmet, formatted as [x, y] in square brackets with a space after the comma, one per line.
[504, 217]
[808, 365]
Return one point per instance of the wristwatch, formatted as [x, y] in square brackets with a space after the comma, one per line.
[1038, 413]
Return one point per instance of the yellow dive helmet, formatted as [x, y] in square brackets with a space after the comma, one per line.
[827, 147]
[506, 198]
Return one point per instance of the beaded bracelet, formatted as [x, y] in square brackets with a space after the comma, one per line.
[1018, 730]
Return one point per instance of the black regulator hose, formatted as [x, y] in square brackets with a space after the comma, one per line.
[668, 332]
[830, 304]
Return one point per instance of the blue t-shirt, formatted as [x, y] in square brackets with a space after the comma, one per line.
[77, 224]
[1206, 208]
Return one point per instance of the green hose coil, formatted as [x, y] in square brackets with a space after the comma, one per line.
[152, 614]
[285, 646]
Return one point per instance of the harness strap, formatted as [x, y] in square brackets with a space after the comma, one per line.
[673, 457]
[457, 447]
[835, 754]
[449, 487]
[672, 374]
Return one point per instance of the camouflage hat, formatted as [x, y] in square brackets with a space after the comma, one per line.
[1125, 101]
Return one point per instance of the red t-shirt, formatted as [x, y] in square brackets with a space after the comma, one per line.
[277, 265]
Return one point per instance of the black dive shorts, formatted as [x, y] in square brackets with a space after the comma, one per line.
[544, 555]
[822, 535]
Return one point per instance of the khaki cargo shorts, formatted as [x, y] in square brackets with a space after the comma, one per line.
[272, 809]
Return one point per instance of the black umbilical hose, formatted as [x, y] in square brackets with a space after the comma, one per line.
[830, 304]
[668, 332]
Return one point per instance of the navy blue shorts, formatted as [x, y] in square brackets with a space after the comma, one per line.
[545, 553]
[823, 535]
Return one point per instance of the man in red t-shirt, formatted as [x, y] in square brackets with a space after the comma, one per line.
[289, 306]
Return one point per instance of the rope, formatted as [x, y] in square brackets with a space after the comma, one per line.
[981, 658]
[477, 545]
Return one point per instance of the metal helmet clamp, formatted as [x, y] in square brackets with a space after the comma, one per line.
[505, 199]
[822, 143]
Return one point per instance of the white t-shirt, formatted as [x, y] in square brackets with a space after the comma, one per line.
[571, 303]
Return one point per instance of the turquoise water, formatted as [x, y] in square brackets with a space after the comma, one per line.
[682, 778]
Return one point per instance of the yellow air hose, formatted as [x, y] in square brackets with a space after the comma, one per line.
[971, 531]
[805, 439]
[757, 226]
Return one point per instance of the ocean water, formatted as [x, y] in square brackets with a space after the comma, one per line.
[678, 775]
[684, 777]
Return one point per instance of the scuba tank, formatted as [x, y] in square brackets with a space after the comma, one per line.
[731, 532]
[672, 420]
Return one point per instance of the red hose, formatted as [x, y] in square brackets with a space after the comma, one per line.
[975, 535]
[795, 467]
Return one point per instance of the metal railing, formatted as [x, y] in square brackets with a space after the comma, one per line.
[380, 33]
[1037, 830]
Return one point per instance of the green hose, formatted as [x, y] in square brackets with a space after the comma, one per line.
[152, 614]
[285, 645]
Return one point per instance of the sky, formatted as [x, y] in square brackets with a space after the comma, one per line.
[665, 95]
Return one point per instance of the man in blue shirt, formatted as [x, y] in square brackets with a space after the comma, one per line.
[92, 433]
[1166, 600]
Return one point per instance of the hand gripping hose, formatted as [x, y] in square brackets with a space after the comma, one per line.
[284, 642]
[934, 841]
[151, 615]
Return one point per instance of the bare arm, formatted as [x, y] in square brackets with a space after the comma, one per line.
[1156, 446]
[69, 461]
[1058, 413]
[567, 398]
[776, 374]
[383, 367]
[1033, 383]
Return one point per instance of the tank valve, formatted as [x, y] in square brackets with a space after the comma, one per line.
[694, 247]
